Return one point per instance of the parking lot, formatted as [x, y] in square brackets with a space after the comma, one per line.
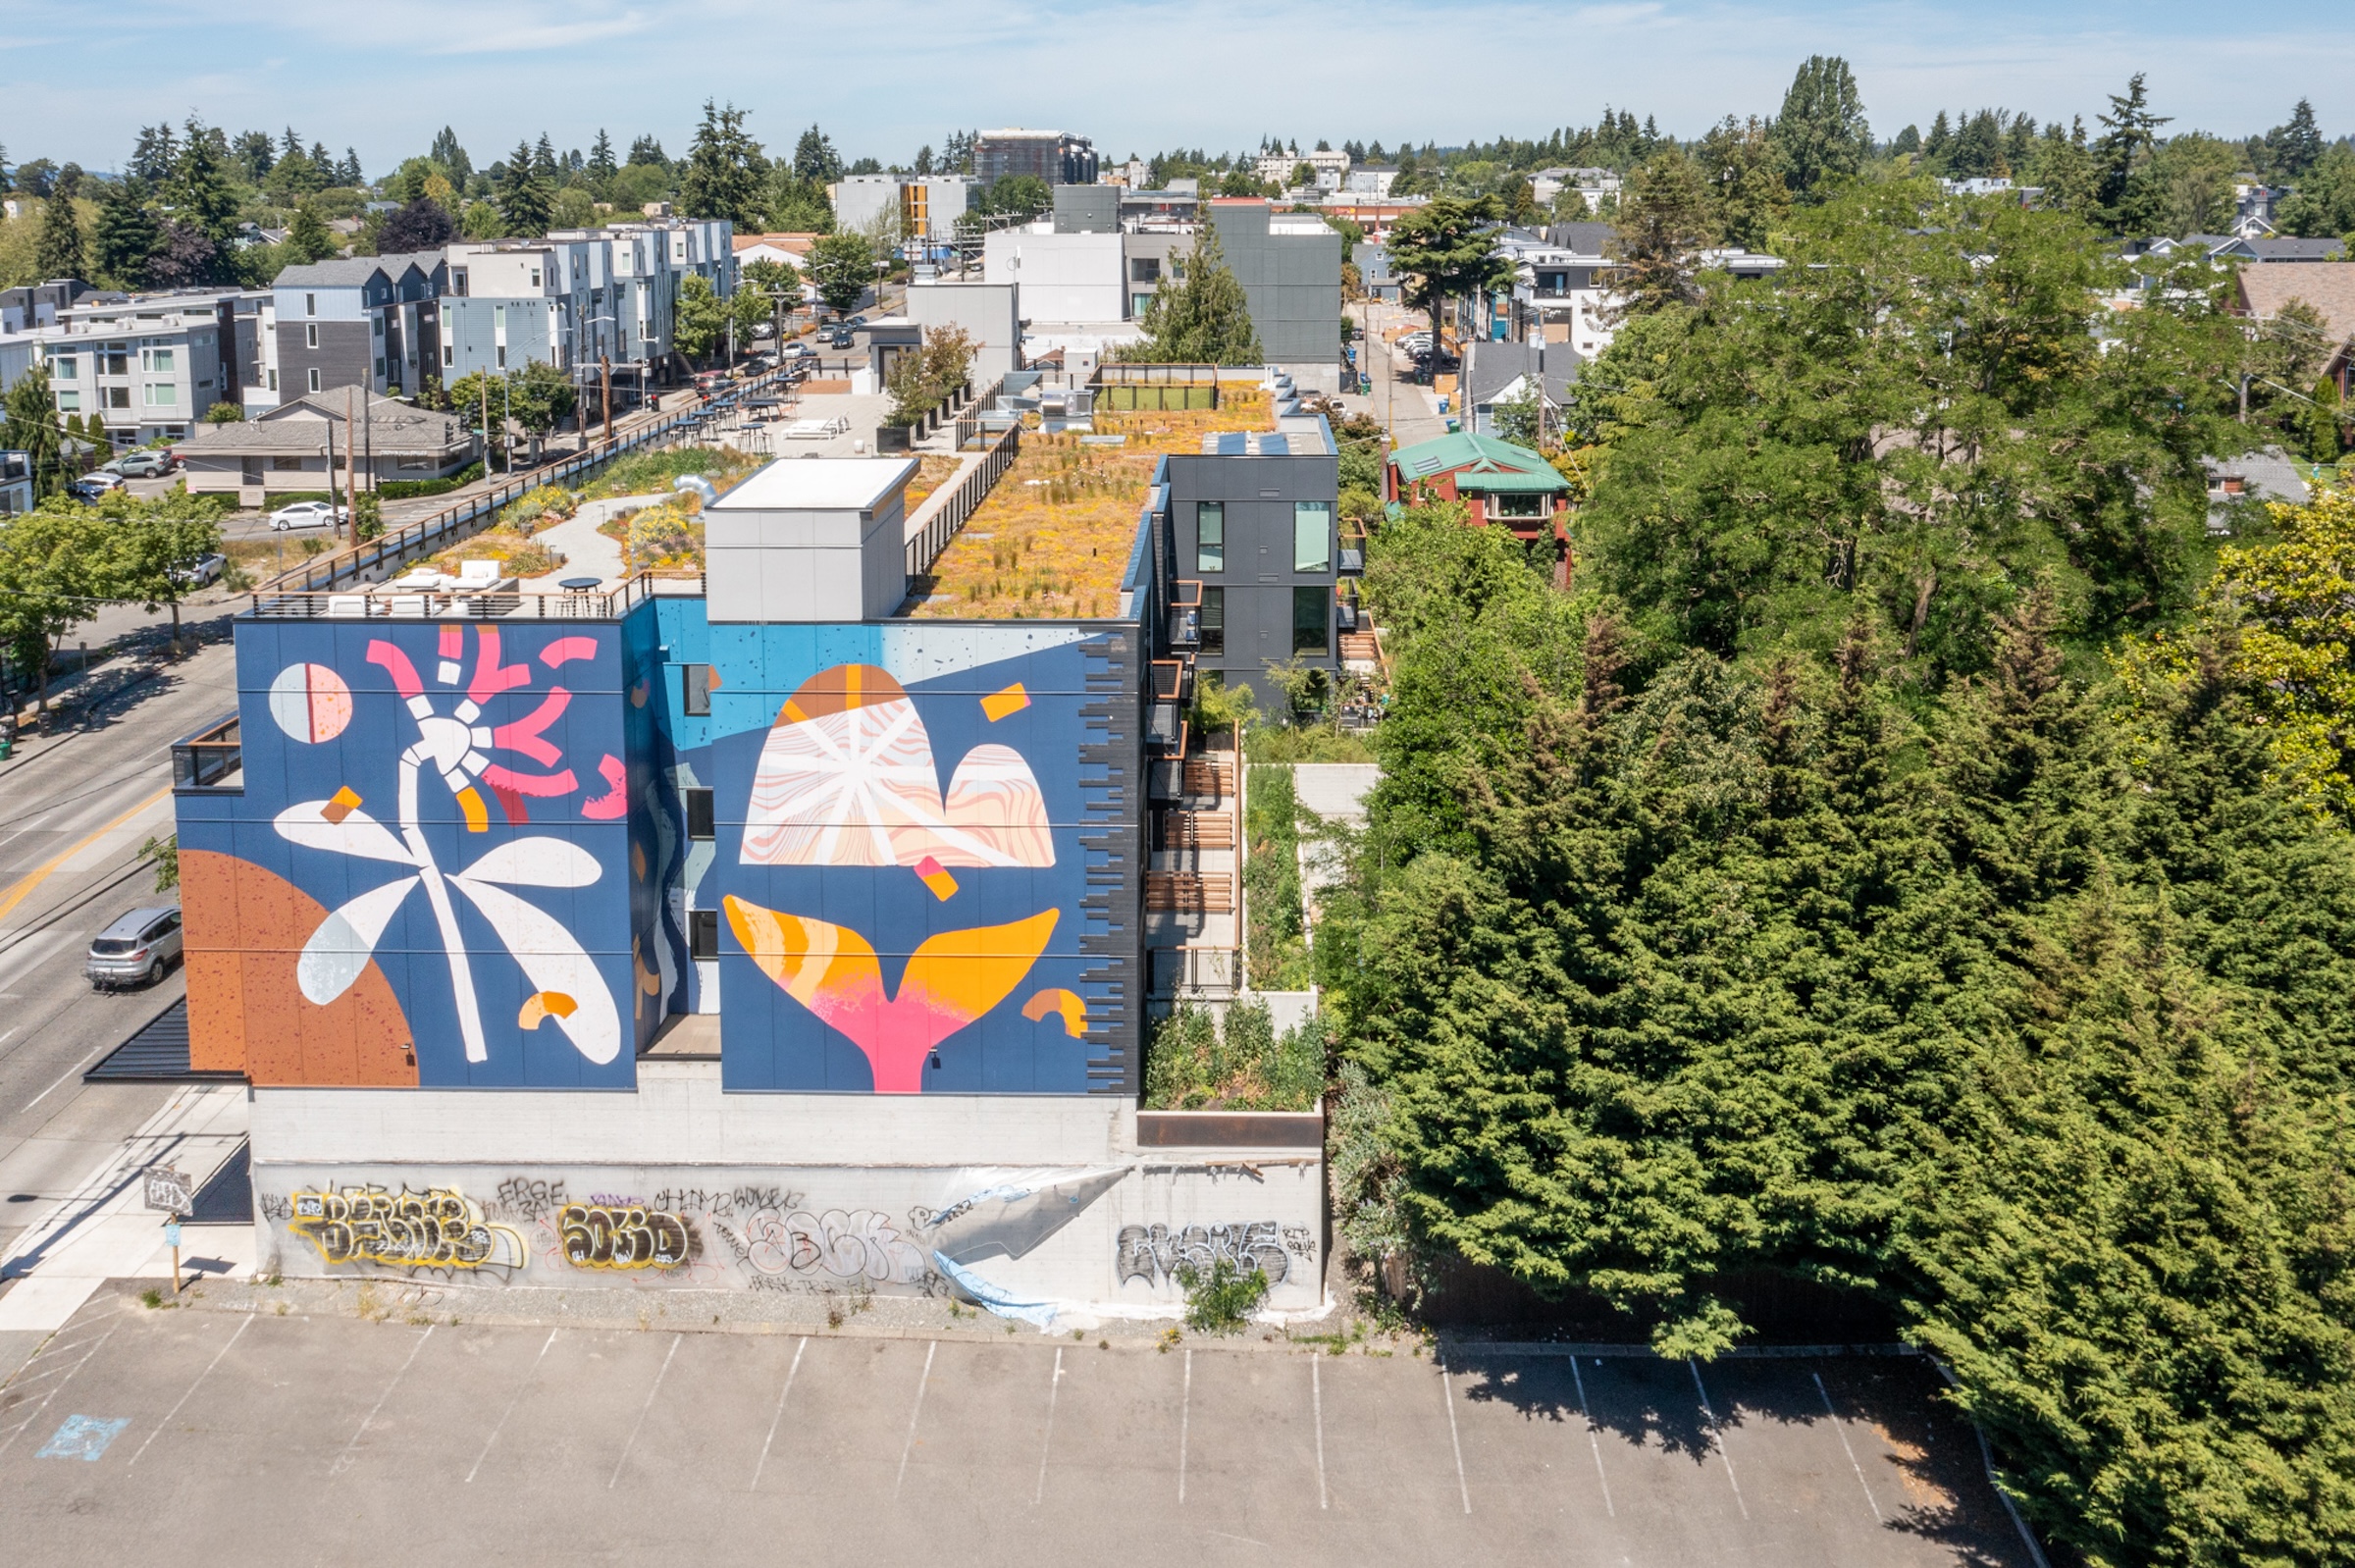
[216, 1437]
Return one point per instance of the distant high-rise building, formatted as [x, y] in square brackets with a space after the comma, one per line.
[1054, 156]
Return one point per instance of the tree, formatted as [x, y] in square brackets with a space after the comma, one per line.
[254, 154]
[31, 427]
[602, 165]
[699, 318]
[815, 158]
[1447, 250]
[1202, 317]
[724, 170]
[750, 308]
[2122, 157]
[843, 268]
[156, 157]
[544, 162]
[1665, 220]
[2323, 204]
[225, 413]
[1023, 197]
[420, 225]
[1743, 171]
[153, 541]
[200, 193]
[2296, 145]
[523, 198]
[58, 252]
[53, 573]
[539, 395]
[795, 205]
[452, 158]
[308, 241]
[778, 278]
[482, 221]
[1822, 134]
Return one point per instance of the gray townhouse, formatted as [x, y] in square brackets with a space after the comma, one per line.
[370, 322]
[150, 366]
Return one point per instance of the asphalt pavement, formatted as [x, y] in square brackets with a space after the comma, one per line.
[211, 1436]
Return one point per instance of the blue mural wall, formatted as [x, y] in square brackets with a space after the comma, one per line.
[903, 855]
[432, 859]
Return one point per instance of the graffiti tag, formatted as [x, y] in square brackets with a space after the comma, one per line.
[439, 1227]
[599, 1236]
[1156, 1253]
[852, 1244]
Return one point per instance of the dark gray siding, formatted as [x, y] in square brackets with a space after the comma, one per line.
[1259, 495]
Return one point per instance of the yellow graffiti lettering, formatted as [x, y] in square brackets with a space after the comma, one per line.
[439, 1227]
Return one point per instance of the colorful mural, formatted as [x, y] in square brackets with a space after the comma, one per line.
[432, 821]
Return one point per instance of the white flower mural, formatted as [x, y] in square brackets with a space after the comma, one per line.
[567, 985]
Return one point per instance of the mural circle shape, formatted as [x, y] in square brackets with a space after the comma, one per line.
[310, 703]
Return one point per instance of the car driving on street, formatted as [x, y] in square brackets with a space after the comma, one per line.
[137, 949]
[308, 515]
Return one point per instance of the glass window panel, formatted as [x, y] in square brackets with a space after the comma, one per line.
[1312, 536]
[1213, 620]
[1210, 537]
[1310, 608]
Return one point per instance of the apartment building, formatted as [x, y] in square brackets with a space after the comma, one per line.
[370, 322]
[1054, 156]
[924, 207]
[580, 296]
[1289, 265]
[1331, 169]
[149, 366]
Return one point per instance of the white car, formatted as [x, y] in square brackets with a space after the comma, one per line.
[308, 515]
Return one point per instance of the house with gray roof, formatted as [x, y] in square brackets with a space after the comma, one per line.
[305, 445]
[1501, 373]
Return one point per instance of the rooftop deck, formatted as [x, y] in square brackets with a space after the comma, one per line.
[1053, 538]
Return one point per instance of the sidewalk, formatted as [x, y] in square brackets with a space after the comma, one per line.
[104, 1231]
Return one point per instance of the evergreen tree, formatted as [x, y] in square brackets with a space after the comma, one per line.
[308, 239]
[1935, 144]
[523, 200]
[58, 250]
[1821, 131]
[544, 162]
[348, 173]
[815, 158]
[601, 166]
[2123, 155]
[157, 155]
[1445, 250]
[1202, 317]
[255, 153]
[200, 193]
[1664, 218]
[2295, 146]
[725, 171]
[1907, 144]
[452, 158]
[126, 234]
[646, 150]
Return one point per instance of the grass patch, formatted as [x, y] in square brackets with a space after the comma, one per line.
[517, 554]
[1194, 1064]
[933, 470]
[1275, 940]
[643, 473]
[1305, 743]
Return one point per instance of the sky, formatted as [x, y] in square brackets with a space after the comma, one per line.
[884, 77]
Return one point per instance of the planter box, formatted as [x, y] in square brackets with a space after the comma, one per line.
[894, 439]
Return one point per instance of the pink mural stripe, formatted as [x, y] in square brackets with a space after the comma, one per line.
[505, 778]
[616, 799]
[524, 736]
[512, 805]
[397, 664]
[453, 640]
[566, 648]
[490, 677]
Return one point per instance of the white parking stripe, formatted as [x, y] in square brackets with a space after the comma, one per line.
[624, 1457]
[780, 1415]
[1316, 1397]
[1186, 1411]
[35, 1415]
[193, 1386]
[1869, 1500]
[914, 1416]
[511, 1405]
[343, 1459]
[1593, 1441]
[1447, 1394]
[1719, 1435]
[1047, 1444]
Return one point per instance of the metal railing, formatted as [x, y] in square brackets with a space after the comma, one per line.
[970, 491]
[446, 605]
[464, 518]
[968, 422]
[209, 757]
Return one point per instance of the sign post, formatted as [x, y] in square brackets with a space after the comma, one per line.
[168, 1190]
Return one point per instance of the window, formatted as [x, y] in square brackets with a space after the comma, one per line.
[1139, 304]
[285, 465]
[535, 276]
[1213, 620]
[414, 464]
[64, 369]
[1309, 610]
[1210, 537]
[702, 934]
[695, 689]
[313, 375]
[376, 326]
[310, 335]
[501, 352]
[1312, 536]
[1515, 506]
[699, 814]
[449, 356]
[162, 394]
[310, 304]
[1145, 269]
[155, 359]
[380, 367]
[118, 364]
[118, 396]
[458, 281]
[274, 380]
[69, 402]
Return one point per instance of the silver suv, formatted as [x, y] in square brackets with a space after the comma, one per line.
[137, 949]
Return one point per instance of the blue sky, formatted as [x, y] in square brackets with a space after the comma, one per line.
[884, 75]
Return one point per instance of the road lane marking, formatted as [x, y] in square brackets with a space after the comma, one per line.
[343, 1459]
[193, 1386]
[1716, 1433]
[1316, 1405]
[780, 1415]
[616, 1478]
[68, 1073]
[1047, 1444]
[34, 878]
[914, 1416]
[1869, 1500]
[1447, 1394]
[1185, 1410]
[1593, 1441]
[512, 1402]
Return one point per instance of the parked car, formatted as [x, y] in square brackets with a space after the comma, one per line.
[92, 486]
[200, 571]
[707, 381]
[841, 338]
[146, 463]
[308, 515]
[855, 322]
[137, 949]
[800, 351]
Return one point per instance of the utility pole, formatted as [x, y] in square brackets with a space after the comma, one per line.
[604, 368]
[335, 506]
[486, 423]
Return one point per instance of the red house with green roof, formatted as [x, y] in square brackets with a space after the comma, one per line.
[1499, 483]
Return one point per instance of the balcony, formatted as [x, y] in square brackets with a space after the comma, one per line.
[212, 759]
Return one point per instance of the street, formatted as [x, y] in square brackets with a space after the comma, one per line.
[232, 1437]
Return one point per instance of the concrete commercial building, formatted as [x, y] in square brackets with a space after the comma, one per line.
[1289, 265]
[921, 207]
[769, 941]
[150, 366]
[986, 311]
[1054, 156]
[1058, 277]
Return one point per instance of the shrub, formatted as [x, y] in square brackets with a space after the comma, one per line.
[1219, 1301]
[662, 536]
[225, 414]
[1196, 1065]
